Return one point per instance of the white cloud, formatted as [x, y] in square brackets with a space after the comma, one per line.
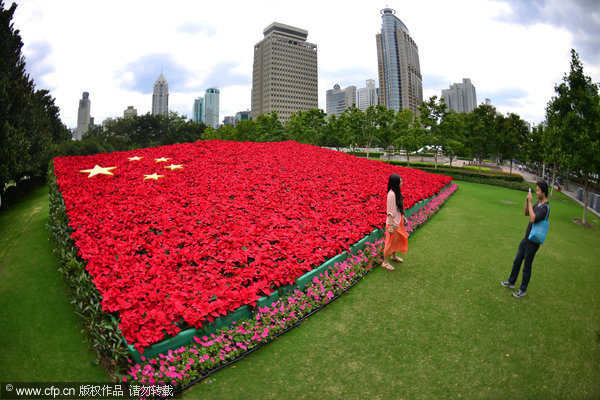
[103, 48]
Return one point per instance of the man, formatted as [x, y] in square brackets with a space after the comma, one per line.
[527, 248]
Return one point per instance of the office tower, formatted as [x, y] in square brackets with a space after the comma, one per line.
[368, 96]
[461, 97]
[130, 112]
[284, 76]
[400, 81]
[83, 115]
[337, 100]
[242, 116]
[198, 110]
[211, 107]
[160, 96]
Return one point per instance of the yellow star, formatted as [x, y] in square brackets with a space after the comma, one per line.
[161, 159]
[154, 176]
[173, 166]
[97, 170]
[136, 158]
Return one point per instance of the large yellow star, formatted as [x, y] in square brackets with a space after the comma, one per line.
[154, 176]
[98, 170]
[136, 158]
[173, 166]
[163, 159]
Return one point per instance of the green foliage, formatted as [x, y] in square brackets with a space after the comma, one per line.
[104, 334]
[30, 127]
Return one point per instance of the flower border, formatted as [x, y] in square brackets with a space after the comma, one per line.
[187, 365]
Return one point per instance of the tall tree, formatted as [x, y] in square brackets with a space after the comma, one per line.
[431, 114]
[484, 128]
[453, 130]
[410, 133]
[306, 126]
[513, 134]
[386, 135]
[574, 114]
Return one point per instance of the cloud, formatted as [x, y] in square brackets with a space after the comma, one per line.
[38, 61]
[196, 28]
[580, 17]
[226, 74]
[140, 75]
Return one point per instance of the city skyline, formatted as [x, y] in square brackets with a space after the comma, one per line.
[515, 52]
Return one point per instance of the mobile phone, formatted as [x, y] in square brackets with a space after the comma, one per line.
[529, 190]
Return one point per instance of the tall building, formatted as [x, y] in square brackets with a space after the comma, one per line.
[461, 97]
[83, 115]
[368, 96]
[160, 96]
[198, 110]
[284, 76]
[211, 107]
[400, 81]
[130, 112]
[337, 100]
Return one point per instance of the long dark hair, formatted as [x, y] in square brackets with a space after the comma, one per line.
[394, 185]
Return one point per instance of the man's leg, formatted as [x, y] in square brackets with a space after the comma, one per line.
[517, 263]
[530, 250]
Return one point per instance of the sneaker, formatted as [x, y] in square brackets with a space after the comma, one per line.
[508, 284]
[520, 293]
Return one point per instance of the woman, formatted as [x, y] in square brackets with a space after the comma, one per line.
[396, 238]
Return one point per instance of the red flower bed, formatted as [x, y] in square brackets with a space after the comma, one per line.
[191, 232]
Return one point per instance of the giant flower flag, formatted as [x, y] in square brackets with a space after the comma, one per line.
[189, 232]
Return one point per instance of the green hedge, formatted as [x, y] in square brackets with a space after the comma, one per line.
[364, 154]
[104, 335]
[461, 171]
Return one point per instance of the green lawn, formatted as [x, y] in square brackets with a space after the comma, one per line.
[440, 326]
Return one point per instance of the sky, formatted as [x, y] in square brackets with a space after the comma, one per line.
[514, 51]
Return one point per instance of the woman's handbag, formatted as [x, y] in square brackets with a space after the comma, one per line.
[540, 229]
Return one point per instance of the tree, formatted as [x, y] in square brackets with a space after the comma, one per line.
[431, 114]
[410, 133]
[333, 133]
[386, 135]
[513, 131]
[453, 129]
[306, 126]
[353, 122]
[269, 128]
[483, 124]
[574, 114]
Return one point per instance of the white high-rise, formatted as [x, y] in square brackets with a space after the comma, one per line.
[83, 115]
[368, 96]
[211, 107]
[461, 97]
[337, 100]
[284, 75]
[160, 96]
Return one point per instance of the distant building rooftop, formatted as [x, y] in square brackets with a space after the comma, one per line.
[286, 30]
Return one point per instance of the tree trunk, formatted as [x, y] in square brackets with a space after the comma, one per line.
[586, 197]
[511, 165]
[435, 157]
[553, 180]
[407, 160]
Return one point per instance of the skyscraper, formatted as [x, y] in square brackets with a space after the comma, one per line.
[400, 81]
[284, 76]
[211, 107]
[83, 115]
[160, 96]
[368, 96]
[337, 100]
[198, 111]
[461, 97]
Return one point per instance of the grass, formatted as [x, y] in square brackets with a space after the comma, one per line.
[40, 335]
[440, 326]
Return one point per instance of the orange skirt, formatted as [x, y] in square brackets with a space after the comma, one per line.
[397, 241]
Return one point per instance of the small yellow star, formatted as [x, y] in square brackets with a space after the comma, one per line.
[173, 166]
[154, 176]
[136, 158]
[98, 170]
[163, 159]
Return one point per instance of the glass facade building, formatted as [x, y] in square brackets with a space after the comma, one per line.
[160, 96]
[400, 80]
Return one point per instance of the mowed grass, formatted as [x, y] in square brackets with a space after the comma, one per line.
[440, 326]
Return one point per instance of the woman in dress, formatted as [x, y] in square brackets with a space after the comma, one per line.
[396, 238]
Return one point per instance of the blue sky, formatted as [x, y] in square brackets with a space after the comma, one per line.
[513, 51]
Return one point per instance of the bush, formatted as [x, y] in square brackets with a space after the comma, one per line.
[103, 333]
[364, 154]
